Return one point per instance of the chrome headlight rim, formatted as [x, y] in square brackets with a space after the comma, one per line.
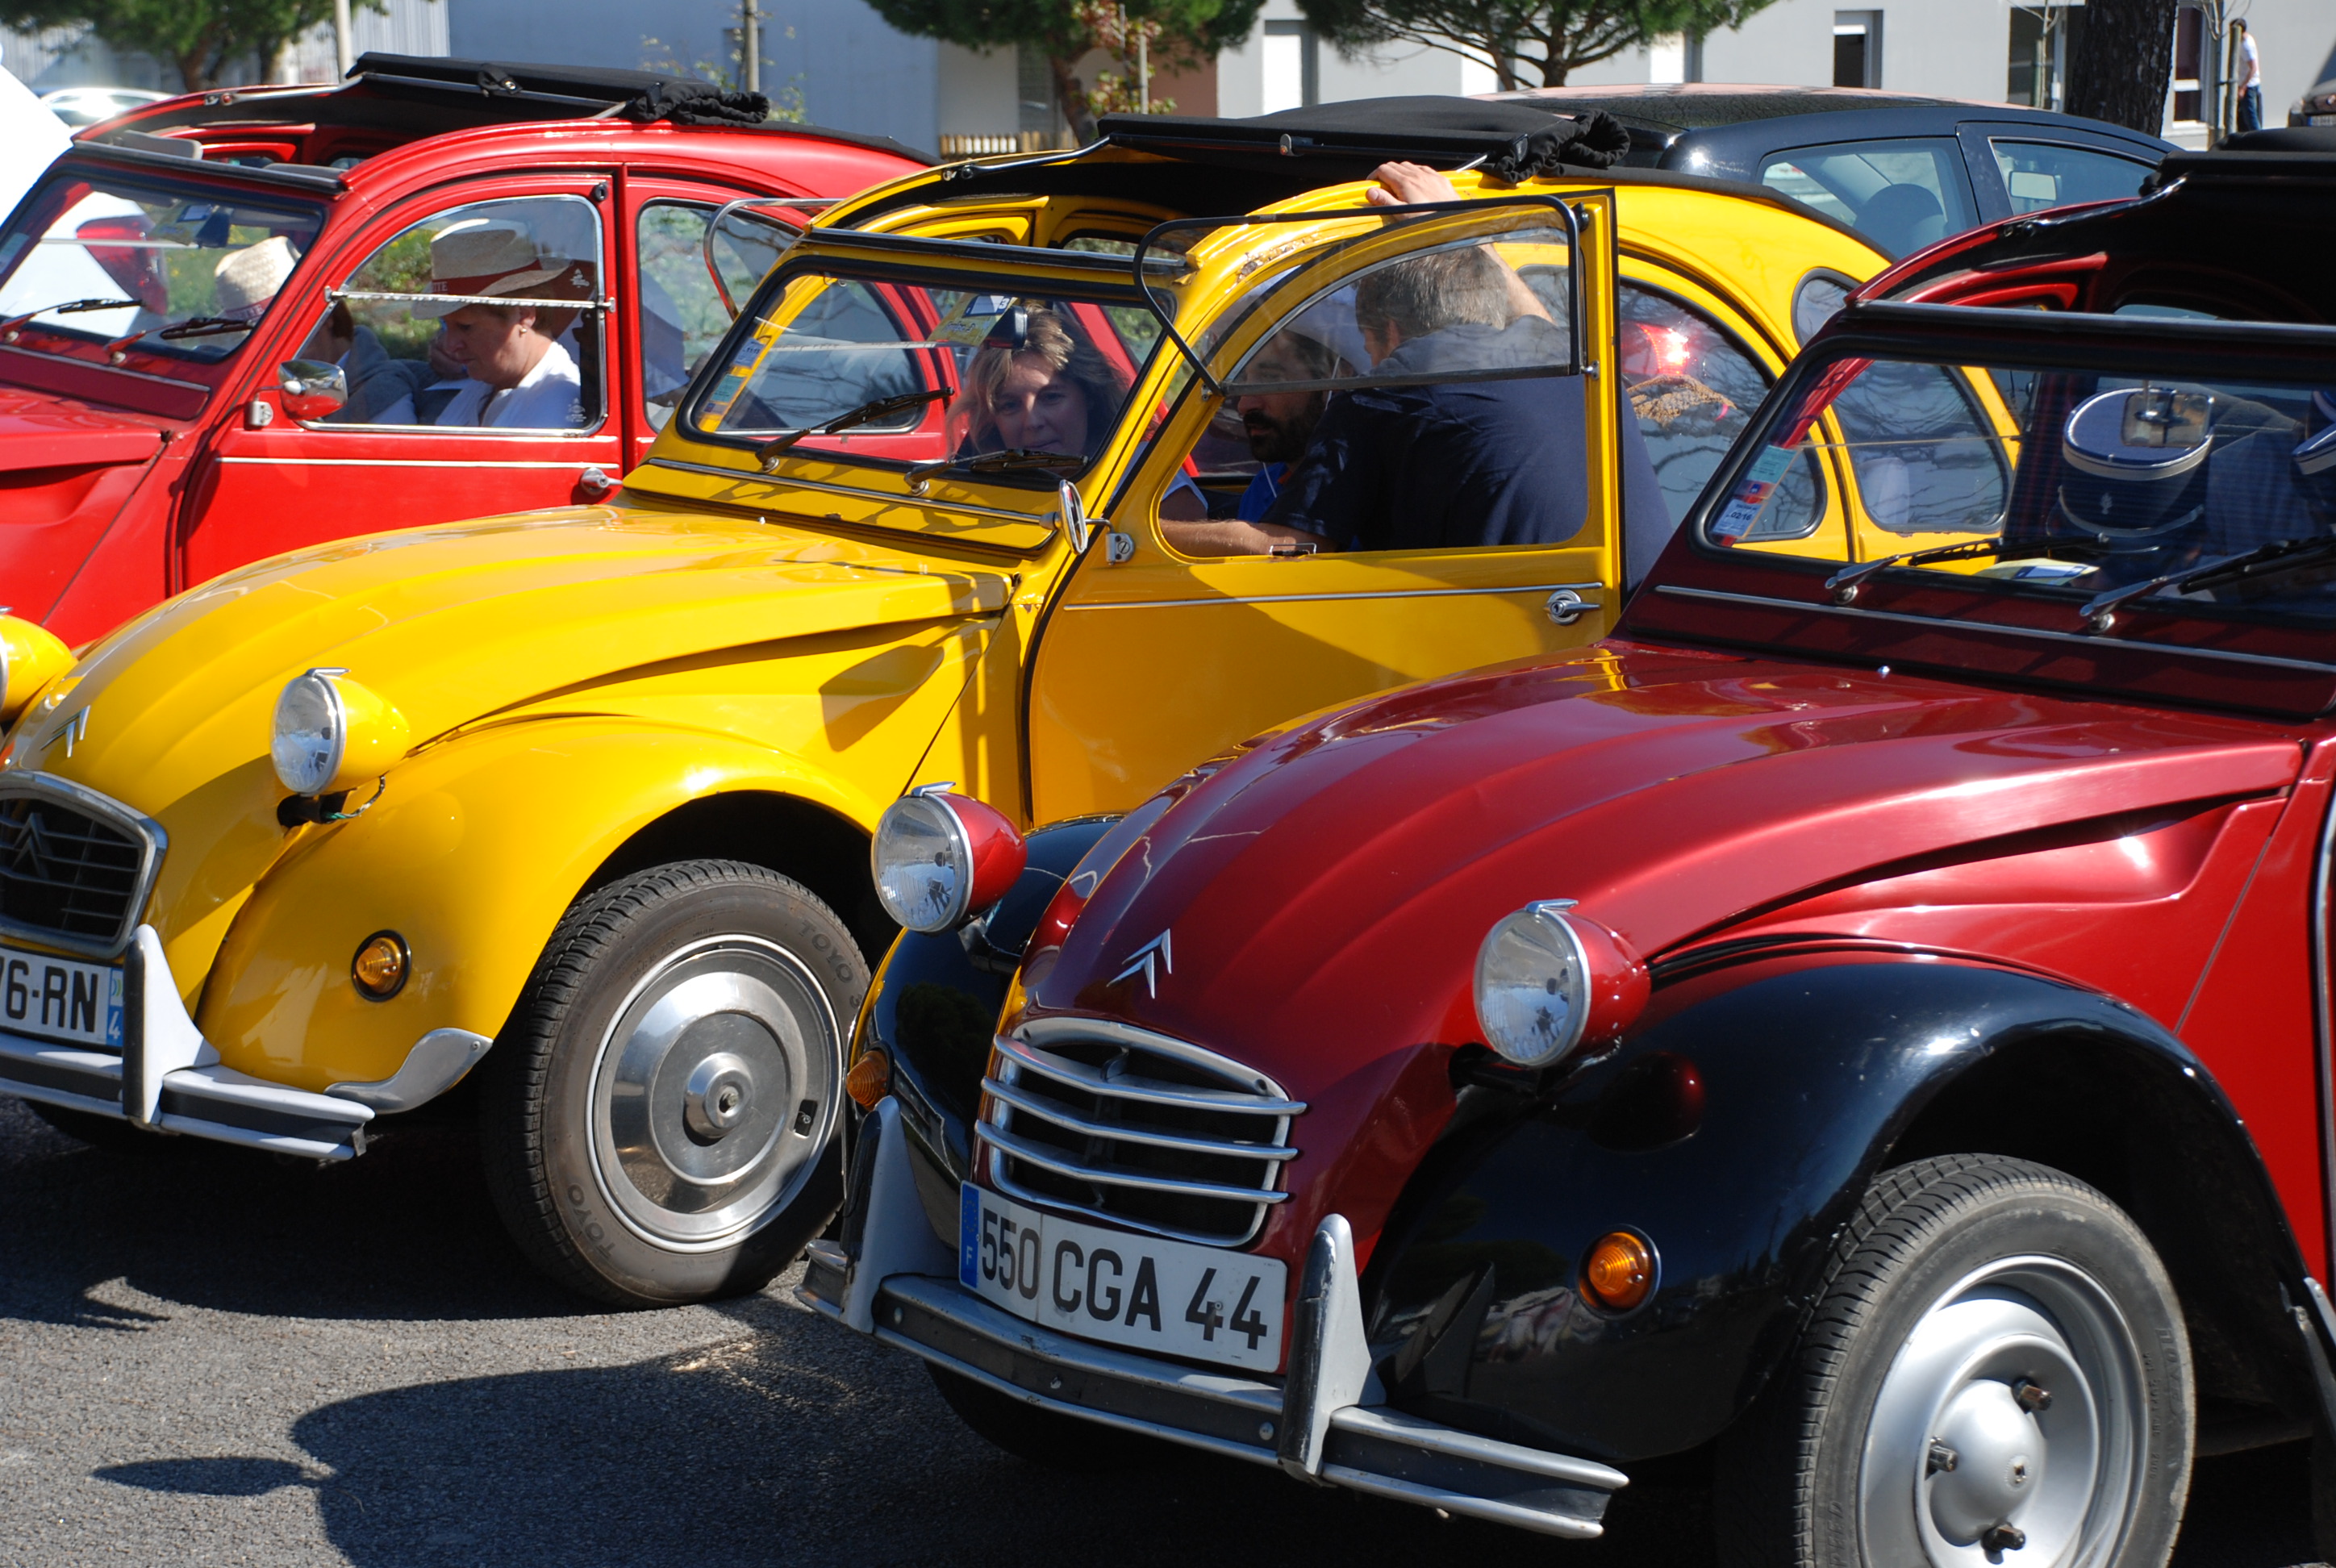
[1546, 919]
[931, 814]
[310, 772]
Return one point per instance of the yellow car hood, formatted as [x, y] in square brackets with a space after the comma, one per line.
[456, 624]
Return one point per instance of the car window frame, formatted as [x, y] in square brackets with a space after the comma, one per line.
[1756, 173]
[386, 227]
[1976, 137]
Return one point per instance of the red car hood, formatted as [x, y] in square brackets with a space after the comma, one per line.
[41, 431]
[1325, 893]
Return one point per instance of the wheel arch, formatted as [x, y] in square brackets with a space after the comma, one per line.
[1813, 1072]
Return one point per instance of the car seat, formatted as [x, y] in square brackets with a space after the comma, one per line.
[1902, 219]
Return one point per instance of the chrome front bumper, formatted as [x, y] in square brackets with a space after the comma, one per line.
[168, 1078]
[1323, 1421]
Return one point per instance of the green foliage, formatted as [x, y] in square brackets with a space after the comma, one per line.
[200, 37]
[1527, 43]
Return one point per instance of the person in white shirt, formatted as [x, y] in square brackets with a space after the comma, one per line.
[520, 378]
[2250, 80]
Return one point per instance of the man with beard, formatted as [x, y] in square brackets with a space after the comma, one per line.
[1279, 425]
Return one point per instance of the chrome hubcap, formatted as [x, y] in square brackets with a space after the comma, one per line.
[2007, 1431]
[714, 1092]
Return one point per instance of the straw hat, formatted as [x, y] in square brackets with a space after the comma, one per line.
[492, 259]
[248, 279]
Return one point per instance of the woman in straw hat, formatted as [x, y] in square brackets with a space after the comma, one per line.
[520, 377]
[245, 281]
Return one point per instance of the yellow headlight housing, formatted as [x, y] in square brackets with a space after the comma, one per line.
[30, 657]
[331, 734]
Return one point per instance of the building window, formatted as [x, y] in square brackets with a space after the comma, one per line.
[1292, 66]
[2189, 55]
[1858, 48]
[2043, 40]
[1034, 87]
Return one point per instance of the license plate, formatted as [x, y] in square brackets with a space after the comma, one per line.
[2320, 120]
[60, 998]
[1169, 1297]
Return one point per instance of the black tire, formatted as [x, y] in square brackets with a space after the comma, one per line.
[1039, 1436]
[1897, 1423]
[706, 969]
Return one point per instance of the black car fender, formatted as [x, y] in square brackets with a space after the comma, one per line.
[1733, 1132]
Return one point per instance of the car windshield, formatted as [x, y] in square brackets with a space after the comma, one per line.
[993, 373]
[2200, 494]
[163, 265]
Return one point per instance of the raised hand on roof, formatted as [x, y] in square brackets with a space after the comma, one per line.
[1402, 184]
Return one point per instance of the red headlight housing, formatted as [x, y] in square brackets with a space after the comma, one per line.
[940, 858]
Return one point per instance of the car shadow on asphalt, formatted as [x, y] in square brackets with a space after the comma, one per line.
[789, 1441]
[405, 1233]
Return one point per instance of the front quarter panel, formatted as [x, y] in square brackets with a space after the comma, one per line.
[1809, 1071]
[472, 854]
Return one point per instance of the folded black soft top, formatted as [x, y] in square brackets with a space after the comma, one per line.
[637, 95]
[1514, 139]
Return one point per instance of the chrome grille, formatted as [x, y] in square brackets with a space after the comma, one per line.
[75, 867]
[1136, 1128]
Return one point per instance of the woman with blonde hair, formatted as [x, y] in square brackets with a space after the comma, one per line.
[1044, 388]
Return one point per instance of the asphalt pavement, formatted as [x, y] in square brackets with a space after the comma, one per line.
[208, 1357]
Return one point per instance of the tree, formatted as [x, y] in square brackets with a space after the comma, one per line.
[2123, 62]
[200, 37]
[1188, 32]
[1527, 43]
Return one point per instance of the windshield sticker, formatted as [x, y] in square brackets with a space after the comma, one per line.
[1743, 508]
[972, 321]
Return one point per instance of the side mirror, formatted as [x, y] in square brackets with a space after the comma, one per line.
[312, 388]
[1073, 515]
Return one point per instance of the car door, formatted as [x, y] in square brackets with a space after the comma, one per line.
[1151, 659]
[282, 477]
[2020, 167]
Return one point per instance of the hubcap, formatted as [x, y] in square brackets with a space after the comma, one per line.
[714, 1092]
[2007, 1431]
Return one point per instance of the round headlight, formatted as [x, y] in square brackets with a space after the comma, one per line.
[30, 657]
[331, 734]
[1532, 985]
[1549, 981]
[938, 857]
[311, 733]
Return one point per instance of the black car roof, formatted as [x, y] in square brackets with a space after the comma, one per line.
[1226, 166]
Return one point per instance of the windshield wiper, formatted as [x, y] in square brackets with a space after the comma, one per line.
[1013, 460]
[70, 307]
[867, 413]
[201, 326]
[1844, 583]
[2279, 555]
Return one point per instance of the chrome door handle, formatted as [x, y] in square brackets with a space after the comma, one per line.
[597, 480]
[1565, 607]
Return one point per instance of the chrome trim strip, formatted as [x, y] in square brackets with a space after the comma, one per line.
[999, 1138]
[155, 844]
[1145, 1091]
[1564, 1526]
[1304, 598]
[1047, 1110]
[1936, 623]
[1045, 520]
[1396, 1427]
[1038, 1031]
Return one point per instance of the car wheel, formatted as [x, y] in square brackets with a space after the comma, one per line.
[1042, 1437]
[1995, 1372]
[658, 1118]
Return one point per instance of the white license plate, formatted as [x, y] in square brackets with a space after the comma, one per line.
[1169, 1297]
[60, 998]
[2320, 120]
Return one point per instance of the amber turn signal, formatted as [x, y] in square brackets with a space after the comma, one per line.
[379, 971]
[870, 1079]
[1620, 1271]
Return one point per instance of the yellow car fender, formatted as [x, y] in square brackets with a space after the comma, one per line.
[471, 854]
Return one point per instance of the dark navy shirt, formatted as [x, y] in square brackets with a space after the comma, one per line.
[1449, 464]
